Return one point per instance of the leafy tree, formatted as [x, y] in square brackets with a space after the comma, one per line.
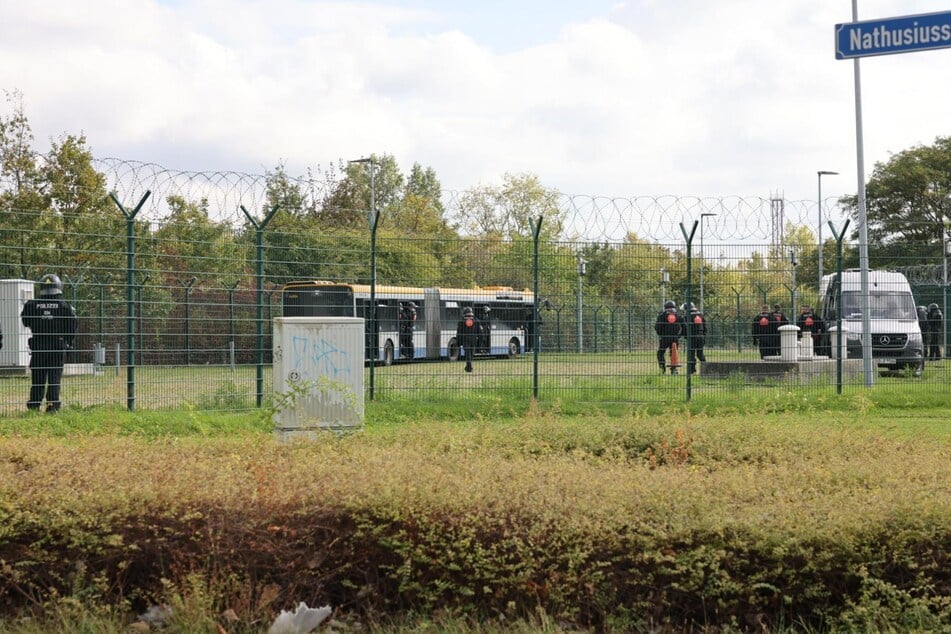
[78, 208]
[19, 172]
[191, 243]
[908, 201]
[420, 212]
[21, 198]
[510, 211]
[347, 205]
[287, 194]
[58, 212]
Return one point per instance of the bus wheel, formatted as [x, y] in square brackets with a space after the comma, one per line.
[514, 348]
[453, 350]
[388, 353]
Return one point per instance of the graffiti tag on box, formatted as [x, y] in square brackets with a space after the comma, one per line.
[315, 356]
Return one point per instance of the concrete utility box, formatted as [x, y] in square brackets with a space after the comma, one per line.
[318, 375]
[15, 355]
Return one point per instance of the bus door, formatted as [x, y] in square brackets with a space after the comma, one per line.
[432, 322]
[371, 331]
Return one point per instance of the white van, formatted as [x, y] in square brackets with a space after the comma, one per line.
[896, 335]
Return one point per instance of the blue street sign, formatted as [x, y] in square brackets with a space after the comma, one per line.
[893, 35]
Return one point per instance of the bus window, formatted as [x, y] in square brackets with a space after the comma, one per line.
[318, 302]
[387, 315]
[451, 315]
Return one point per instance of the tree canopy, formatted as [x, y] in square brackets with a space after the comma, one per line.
[908, 197]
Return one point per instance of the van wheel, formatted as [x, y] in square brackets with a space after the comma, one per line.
[453, 350]
[388, 353]
[514, 347]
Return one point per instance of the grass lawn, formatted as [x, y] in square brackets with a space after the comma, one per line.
[482, 497]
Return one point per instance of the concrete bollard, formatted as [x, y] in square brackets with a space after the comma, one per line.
[839, 346]
[789, 346]
[806, 349]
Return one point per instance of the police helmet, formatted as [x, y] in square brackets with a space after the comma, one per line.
[930, 306]
[669, 304]
[50, 285]
[467, 311]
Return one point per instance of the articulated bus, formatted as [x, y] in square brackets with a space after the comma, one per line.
[509, 316]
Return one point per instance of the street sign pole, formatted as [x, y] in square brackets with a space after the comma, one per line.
[854, 40]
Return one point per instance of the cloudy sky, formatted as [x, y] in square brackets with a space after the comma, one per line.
[614, 98]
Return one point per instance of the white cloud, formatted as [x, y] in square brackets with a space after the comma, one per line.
[687, 97]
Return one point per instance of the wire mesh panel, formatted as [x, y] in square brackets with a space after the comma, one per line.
[175, 305]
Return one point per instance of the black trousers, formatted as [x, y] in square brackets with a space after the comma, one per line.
[407, 349]
[46, 373]
[695, 352]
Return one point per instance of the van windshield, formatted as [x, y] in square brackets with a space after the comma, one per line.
[882, 304]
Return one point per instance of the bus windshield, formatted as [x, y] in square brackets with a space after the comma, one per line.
[319, 302]
[882, 304]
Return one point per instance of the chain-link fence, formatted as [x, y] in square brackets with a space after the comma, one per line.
[177, 312]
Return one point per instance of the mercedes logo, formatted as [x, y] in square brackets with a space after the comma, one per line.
[884, 340]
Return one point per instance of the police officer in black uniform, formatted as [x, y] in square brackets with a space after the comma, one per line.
[935, 332]
[777, 319]
[670, 326]
[761, 331]
[696, 336]
[53, 324]
[811, 325]
[407, 319]
[485, 336]
[467, 334]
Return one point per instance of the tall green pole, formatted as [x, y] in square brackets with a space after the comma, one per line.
[839, 237]
[687, 299]
[130, 294]
[259, 298]
[536, 335]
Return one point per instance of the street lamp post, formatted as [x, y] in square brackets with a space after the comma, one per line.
[702, 260]
[820, 174]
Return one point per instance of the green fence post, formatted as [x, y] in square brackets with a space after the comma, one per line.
[231, 331]
[130, 294]
[687, 298]
[839, 237]
[187, 286]
[259, 298]
[945, 295]
[536, 326]
[738, 322]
